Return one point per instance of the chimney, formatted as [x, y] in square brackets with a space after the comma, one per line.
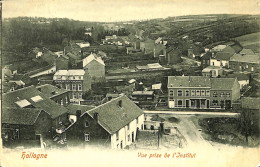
[120, 103]
[78, 113]
[96, 116]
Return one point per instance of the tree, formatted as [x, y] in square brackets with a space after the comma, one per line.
[246, 123]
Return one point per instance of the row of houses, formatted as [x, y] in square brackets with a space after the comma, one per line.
[41, 116]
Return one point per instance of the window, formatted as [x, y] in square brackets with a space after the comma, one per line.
[215, 102]
[74, 87]
[222, 94]
[67, 87]
[80, 87]
[171, 98]
[197, 92]
[179, 103]
[215, 94]
[128, 126]
[202, 92]
[193, 93]
[74, 77]
[187, 93]
[247, 66]
[87, 137]
[79, 77]
[136, 120]
[117, 135]
[207, 93]
[74, 95]
[171, 93]
[252, 68]
[228, 94]
[61, 102]
[179, 92]
[86, 124]
[80, 95]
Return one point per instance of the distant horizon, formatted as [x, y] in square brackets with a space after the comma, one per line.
[125, 11]
[125, 20]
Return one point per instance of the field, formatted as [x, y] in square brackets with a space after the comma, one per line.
[250, 41]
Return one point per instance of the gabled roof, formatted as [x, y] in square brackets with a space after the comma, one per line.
[223, 55]
[92, 57]
[246, 58]
[20, 116]
[9, 100]
[50, 90]
[112, 117]
[246, 52]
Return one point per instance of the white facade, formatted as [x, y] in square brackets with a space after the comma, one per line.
[219, 63]
[242, 83]
[127, 135]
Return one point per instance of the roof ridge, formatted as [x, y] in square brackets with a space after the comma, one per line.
[102, 104]
[19, 89]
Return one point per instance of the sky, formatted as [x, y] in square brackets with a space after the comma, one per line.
[125, 10]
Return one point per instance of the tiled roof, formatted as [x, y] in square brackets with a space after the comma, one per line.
[188, 81]
[246, 51]
[48, 105]
[222, 83]
[200, 81]
[253, 58]
[112, 117]
[40, 70]
[20, 116]
[223, 55]
[48, 90]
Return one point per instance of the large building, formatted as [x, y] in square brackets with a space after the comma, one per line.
[113, 124]
[198, 92]
[77, 82]
[95, 66]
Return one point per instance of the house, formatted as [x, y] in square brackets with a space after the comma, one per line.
[8, 70]
[147, 46]
[220, 59]
[59, 95]
[173, 56]
[198, 92]
[222, 55]
[30, 97]
[245, 62]
[113, 124]
[212, 71]
[20, 79]
[95, 66]
[205, 59]
[62, 62]
[77, 82]
[27, 127]
[83, 44]
[243, 79]
[142, 96]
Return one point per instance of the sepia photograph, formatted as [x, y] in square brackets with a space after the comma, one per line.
[130, 83]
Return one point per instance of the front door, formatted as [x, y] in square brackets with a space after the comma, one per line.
[171, 104]
[187, 103]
